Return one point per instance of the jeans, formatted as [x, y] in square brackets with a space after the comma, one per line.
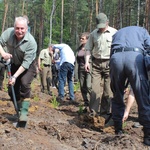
[66, 72]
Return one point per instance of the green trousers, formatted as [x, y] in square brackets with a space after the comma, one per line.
[101, 93]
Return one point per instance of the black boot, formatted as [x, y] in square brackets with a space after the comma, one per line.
[50, 93]
[48, 86]
[118, 127]
[146, 136]
[86, 102]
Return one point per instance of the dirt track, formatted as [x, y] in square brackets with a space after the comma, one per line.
[63, 128]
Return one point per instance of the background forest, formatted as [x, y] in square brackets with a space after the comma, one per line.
[56, 21]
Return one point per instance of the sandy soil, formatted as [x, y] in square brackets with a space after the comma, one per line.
[63, 128]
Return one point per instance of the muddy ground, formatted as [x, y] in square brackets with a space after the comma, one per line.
[63, 128]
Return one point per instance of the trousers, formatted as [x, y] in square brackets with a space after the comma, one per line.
[45, 74]
[85, 83]
[22, 86]
[101, 93]
[129, 65]
[2, 73]
[66, 73]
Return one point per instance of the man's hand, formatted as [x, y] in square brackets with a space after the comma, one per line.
[39, 68]
[12, 80]
[6, 56]
[87, 67]
[125, 117]
[87, 57]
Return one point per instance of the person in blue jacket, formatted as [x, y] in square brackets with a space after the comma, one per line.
[127, 62]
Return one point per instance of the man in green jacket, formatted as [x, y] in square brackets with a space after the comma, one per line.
[21, 48]
[98, 47]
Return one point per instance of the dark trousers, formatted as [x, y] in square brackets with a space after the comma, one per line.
[2, 72]
[129, 65]
[85, 83]
[54, 75]
[22, 86]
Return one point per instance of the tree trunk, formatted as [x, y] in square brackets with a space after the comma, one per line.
[90, 3]
[138, 13]
[147, 18]
[101, 6]
[51, 21]
[97, 7]
[23, 3]
[62, 16]
[41, 29]
[120, 13]
[5, 14]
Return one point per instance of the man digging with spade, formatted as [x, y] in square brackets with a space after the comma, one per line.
[21, 48]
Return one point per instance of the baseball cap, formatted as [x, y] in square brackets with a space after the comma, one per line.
[101, 20]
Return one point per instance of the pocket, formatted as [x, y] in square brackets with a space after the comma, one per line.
[45, 55]
[109, 41]
[147, 65]
[107, 65]
[144, 86]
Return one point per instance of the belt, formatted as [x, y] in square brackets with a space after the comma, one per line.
[100, 59]
[126, 49]
[45, 65]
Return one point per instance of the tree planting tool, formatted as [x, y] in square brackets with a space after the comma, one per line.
[8, 64]
[18, 123]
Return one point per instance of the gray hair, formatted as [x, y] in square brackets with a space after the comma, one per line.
[25, 16]
[21, 19]
[50, 45]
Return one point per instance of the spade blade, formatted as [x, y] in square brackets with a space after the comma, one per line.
[20, 124]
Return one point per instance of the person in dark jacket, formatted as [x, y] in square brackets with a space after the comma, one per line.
[127, 62]
[83, 75]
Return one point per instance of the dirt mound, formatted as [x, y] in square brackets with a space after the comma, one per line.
[63, 128]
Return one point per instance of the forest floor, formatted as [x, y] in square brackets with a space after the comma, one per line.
[62, 128]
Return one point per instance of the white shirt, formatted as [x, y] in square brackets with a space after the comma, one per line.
[66, 53]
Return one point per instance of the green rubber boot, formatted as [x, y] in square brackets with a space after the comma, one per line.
[24, 111]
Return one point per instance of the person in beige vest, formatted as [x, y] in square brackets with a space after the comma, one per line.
[44, 66]
[98, 46]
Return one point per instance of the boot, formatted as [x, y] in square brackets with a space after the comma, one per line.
[118, 127]
[146, 136]
[48, 86]
[86, 102]
[50, 93]
[24, 110]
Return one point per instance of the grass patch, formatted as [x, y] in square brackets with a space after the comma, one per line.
[124, 125]
[80, 111]
[54, 102]
[36, 98]
[5, 86]
[77, 87]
